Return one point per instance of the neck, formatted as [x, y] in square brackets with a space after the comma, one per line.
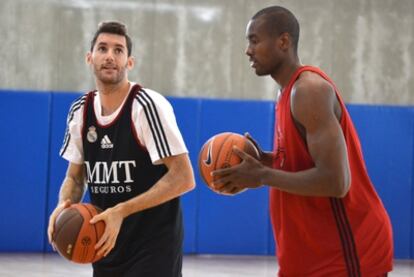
[112, 95]
[285, 72]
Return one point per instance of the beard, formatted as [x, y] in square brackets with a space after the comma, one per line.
[268, 69]
[112, 78]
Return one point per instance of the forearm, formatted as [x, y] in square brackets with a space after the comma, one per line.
[71, 189]
[161, 192]
[178, 180]
[310, 182]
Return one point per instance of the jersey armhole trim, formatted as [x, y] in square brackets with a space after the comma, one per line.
[134, 131]
[154, 122]
[79, 103]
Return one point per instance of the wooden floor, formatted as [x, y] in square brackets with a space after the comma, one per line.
[48, 265]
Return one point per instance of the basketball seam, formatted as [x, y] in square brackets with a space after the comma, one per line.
[219, 151]
[94, 228]
[200, 164]
[81, 206]
[63, 225]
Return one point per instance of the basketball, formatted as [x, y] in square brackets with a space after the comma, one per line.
[217, 153]
[74, 237]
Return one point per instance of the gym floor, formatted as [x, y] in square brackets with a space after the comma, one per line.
[48, 265]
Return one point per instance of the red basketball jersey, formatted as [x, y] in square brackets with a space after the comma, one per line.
[323, 236]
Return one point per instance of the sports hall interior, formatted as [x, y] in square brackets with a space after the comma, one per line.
[192, 52]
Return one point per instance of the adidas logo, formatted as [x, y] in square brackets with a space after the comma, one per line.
[106, 143]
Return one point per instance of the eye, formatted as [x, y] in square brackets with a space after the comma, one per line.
[119, 50]
[254, 41]
[101, 49]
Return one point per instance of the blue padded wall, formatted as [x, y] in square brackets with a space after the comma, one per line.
[387, 138]
[60, 107]
[25, 119]
[187, 112]
[238, 224]
[33, 126]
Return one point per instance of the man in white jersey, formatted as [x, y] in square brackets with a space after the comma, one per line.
[123, 141]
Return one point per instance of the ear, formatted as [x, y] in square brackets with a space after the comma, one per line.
[88, 58]
[131, 62]
[284, 41]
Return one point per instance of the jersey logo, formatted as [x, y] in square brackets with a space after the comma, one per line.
[116, 172]
[92, 136]
[106, 143]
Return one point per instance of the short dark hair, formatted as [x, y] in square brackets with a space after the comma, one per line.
[279, 20]
[113, 27]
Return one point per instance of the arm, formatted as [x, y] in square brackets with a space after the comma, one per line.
[71, 191]
[178, 180]
[314, 107]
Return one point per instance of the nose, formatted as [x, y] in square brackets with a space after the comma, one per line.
[109, 55]
[248, 51]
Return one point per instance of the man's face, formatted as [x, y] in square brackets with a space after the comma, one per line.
[262, 48]
[109, 58]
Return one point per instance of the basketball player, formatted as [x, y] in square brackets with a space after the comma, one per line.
[327, 218]
[122, 140]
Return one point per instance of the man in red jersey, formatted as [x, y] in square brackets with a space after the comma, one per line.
[327, 218]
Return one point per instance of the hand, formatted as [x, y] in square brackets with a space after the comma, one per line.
[51, 228]
[265, 158]
[232, 180]
[229, 191]
[256, 144]
[113, 220]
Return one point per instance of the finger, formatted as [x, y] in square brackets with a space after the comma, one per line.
[252, 140]
[222, 187]
[104, 238]
[96, 218]
[50, 234]
[229, 191]
[51, 227]
[50, 230]
[249, 137]
[51, 239]
[67, 203]
[107, 247]
[219, 173]
[110, 247]
[103, 249]
[217, 180]
[243, 155]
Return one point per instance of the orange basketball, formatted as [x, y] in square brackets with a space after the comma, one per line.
[217, 153]
[74, 237]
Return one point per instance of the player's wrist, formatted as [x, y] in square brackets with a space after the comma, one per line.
[123, 209]
[265, 176]
[63, 201]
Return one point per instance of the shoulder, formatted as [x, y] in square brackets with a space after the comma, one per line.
[150, 98]
[312, 97]
[311, 84]
[77, 106]
[80, 101]
[312, 90]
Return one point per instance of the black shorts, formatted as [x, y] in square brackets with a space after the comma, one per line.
[165, 262]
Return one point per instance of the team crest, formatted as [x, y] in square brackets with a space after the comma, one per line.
[92, 136]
